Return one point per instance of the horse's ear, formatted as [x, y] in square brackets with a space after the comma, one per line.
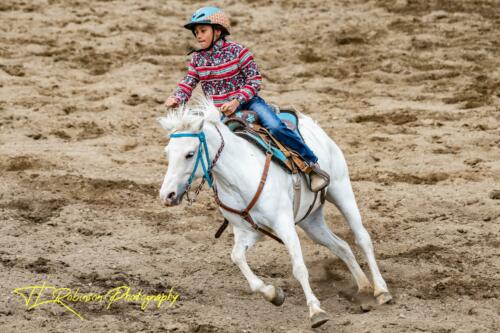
[212, 113]
[198, 125]
[167, 125]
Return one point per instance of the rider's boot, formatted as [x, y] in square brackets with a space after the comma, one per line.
[319, 178]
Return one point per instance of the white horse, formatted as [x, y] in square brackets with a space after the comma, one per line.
[236, 176]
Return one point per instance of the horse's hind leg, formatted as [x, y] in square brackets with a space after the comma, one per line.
[340, 193]
[318, 231]
[243, 241]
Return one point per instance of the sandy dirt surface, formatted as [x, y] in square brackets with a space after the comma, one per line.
[409, 89]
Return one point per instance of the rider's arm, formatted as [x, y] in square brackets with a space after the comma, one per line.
[185, 88]
[253, 79]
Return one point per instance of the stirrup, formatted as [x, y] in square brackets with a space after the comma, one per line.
[319, 179]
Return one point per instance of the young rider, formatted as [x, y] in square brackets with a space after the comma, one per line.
[229, 75]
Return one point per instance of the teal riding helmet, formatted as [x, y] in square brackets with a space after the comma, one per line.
[209, 15]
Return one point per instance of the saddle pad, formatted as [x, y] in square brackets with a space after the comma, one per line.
[241, 123]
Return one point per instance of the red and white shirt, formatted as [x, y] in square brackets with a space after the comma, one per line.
[226, 72]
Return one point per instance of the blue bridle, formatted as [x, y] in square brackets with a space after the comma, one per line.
[205, 164]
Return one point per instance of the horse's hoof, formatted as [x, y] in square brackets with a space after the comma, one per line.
[318, 319]
[384, 298]
[365, 307]
[279, 297]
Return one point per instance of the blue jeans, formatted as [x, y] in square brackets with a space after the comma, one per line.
[278, 129]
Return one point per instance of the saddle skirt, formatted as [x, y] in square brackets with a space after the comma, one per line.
[246, 124]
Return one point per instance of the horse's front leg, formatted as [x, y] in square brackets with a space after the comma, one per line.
[285, 229]
[243, 241]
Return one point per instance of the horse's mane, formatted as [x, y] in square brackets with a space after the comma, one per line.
[189, 118]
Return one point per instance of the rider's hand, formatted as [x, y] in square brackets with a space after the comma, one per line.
[229, 107]
[171, 102]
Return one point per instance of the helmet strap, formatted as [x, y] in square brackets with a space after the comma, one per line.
[213, 38]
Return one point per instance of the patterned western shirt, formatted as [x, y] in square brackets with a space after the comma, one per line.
[226, 72]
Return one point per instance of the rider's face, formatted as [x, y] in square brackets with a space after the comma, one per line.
[205, 35]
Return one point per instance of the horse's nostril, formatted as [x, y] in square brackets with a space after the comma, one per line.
[171, 195]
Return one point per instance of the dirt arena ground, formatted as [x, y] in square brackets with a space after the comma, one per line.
[409, 89]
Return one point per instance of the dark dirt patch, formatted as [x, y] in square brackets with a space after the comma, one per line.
[13, 70]
[135, 99]
[479, 287]
[494, 194]
[487, 8]
[395, 118]
[391, 177]
[18, 163]
[61, 134]
[89, 130]
[96, 191]
[44, 265]
[23, 162]
[477, 94]
[309, 55]
[36, 210]
[423, 252]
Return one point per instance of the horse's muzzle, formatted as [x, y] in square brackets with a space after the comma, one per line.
[172, 199]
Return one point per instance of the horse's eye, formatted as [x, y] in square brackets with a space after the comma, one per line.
[190, 154]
